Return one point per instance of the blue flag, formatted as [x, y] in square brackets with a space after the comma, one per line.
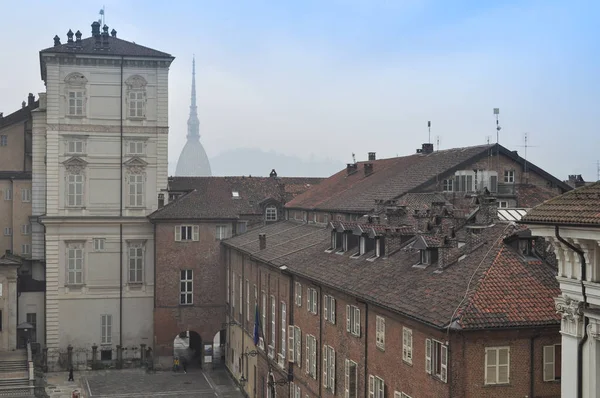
[256, 325]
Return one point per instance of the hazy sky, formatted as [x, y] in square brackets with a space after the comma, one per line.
[332, 77]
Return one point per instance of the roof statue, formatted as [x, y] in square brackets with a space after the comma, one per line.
[193, 161]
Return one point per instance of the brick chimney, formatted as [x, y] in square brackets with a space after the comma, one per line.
[30, 99]
[426, 149]
[351, 168]
[262, 241]
[368, 168]
[371, 156]
[113, 33]
[105, 37]
[56, 41]
[70, 36]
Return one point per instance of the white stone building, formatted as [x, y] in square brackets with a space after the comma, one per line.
[571, 222]
[99, 163]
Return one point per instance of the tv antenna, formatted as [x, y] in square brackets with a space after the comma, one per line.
[429, 130]
[526, 145]
[498, 128]
[437, 141]
[488, 139]
[101, 20]
[353, 158]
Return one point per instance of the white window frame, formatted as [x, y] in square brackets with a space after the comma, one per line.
[106, 327]
[271, 213]
[311, 356]
[241, 298]
[329, 308]
[509, 176]
[376, 387]
[135, 262]
[26, 229]
[25, 195]
[136, 148]
[295, 344]
[493, 369]
[8, 194]
[7, 231]
[436, 352]
[99, 244]
[273, 338]
[228, 287]
[398, 394]
[311, 300]
[75, 198]
[283, 337]
[263, 324]
[186, 287]
[247, 300]
[549, 362]
[135, 190]
[3, 140]
[298, 294]
[425, 256]
[75, 146]
[503, 204]
[221, 232]
[448, 185]
[380, 332]
[26, 249]
[136, 104]
[187, 233]
[407, 345]
[295, 391]
[350, 367]
[353, 320]
[75, 264]
[76, 102]
[329, 368]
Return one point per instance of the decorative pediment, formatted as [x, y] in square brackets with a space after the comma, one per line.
[135, 165]
[75, 165]
[76, 79]
[136, 82]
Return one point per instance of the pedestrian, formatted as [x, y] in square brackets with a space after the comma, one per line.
[71, 374]
[184, 364]
[176, 364]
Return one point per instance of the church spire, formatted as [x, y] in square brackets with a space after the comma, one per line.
[193, 122]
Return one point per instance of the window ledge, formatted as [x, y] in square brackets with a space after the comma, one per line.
[75, 116]
[493, 385]
[75, 207]
[74, 285]
[142, 207]
[78, 154]
[381, 347]
[409, 363]
[186, 305]
[136, 118]
[135, 284]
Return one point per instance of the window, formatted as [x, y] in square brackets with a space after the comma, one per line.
[353, 320]
[136, 190]
[282, 347]
[75, 190]
[221, 232]
[425, 257]
[298, 294]
[311, 356]
[3, 140]
[136, 104]
[273, 327]
[187, 233]
[380, 332]
[75, 264]
[398, 394]
[26, 249]
[311, 300]
[497, 365]
[503, 204]
[295, 344]
[271, 213]
[247, 300]
[25, 195]
[75, 103]
[525, 247]
[228, 287]
[233, 297]
[32, 319]
[329, 368]
[99, 244]
[376, 387]
[135, 148]
[106, 329]
[7, 231]
[407, 344]
[261, 341]
[295, 391]
[436, 359]
[136, 262]
[329, 308]
[242, 227]
[26, 229]
[8, 194]
[447, 185]
[75, 146]
[552, 362]
[186, 287]
[241, 298]
[509, 176]
[350, 379]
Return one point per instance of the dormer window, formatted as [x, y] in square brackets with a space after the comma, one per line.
[425, 257]
[525, 247]
[271, 213]
[336, 241]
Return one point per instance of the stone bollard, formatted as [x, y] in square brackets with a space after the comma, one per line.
[119, 357]
[69, 357]
[45, 360]
[143, 353]
[94, 356]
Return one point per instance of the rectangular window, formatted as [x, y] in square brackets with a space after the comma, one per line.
[136, 262]
[273, 327]
[136, 104]
[283, 342]
[25, 195]
[447, 185]
[271, 213]
[436, 359]
[3, 140]
[25, 229]
[509, 176]
[407, 344]
[26, 249]
[32, 319]
[425, 257]
[136, 190]
[311, 356]
[221, 232]
[242, 227]
[241, 298]
[311, 300]
[75, 265]
[353, 320]
[294, 344]
[376, 387]
[7, 231]
[186, 287]
[75, 190]
[76, 103]
[295, 391]
[552, 362]
[8, 194]
[187, 233]
[503, 204]
[247, 300]
[380, 332]
[135, 148]
[106, 329]
[497, 365]
[329, 368]
[99, 244]
[228, 287]
[329, 308]
[75, 146]
[261, 341]
[298, 294]
[233, 296]
[350, 379]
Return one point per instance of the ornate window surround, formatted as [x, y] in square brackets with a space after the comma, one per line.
[136, 84]
[135, 166]
[137, 244]
[76, 82]
[75, 166]
[75, 244]
[136, 140]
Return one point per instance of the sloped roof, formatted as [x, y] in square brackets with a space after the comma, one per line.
[532, 195]
[212, 197]
[116, 46]
[580, 206]
[430, 295]
[21, 115]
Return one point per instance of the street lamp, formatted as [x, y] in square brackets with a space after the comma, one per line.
[243, 381]
[252, 353]
[230, 323]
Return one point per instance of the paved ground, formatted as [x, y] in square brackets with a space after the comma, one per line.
[139, 384]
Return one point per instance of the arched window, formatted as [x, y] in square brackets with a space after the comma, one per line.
[271, 213]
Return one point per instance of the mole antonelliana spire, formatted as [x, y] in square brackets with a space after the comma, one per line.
[193, 161]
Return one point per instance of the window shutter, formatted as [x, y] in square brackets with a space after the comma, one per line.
[325, 300]
[371, 387]
[347, 318]
[196, 233]
[308, 299]
[332, 375]
[548, 363]
[325, 378]
[346, 379]
[503, 365]
[357, 322]
[428, 356]
[332, 315]
[298, 339]
[314, 359]
[307, 355]
[291, 343]
[444, 363]
[177, 233]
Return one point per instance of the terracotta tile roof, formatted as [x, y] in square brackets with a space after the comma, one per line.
[580, 206]
[421, 201]
[430, 295]
[212, 197]
[529, 196]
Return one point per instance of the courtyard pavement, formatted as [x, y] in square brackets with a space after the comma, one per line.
[137, 383]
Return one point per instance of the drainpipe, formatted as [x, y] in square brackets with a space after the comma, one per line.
[366, 348]
[585, 319]
[318, 348]
[12, 215]
[531, 366]
[121, 218]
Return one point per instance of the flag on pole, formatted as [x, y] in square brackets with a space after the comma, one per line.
[256, 325]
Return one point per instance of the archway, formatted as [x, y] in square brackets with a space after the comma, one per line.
[188, 345]
[219, 347]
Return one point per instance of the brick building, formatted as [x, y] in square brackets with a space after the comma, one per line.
[384, 281]
[202, 211]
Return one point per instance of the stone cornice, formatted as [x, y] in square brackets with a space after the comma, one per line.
[105, 60]
[95, 128]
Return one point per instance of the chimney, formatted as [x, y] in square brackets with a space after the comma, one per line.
[96, 29]
[70, 36]
[262, 241]
[8, 252]
[368, 168]
[1, 115]
[371, 156]
[78, 39]
[161, 200]
[273, 174]
[23, 104]
[105, 37]
[30, 99]
[56, 41]
[426, 149]
[351, 168]
[113, 33]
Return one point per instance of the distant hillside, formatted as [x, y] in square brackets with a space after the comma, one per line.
[259, 163]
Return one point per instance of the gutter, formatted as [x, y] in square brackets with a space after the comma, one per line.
[552, 224]
[585, 319]
[12, 215]
[121, 218]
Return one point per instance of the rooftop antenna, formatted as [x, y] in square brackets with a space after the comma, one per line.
[353, 158]
[429, 129]
[437, 141]
[526, 145]
[598, 167]
[101, 20]
[498, 128]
